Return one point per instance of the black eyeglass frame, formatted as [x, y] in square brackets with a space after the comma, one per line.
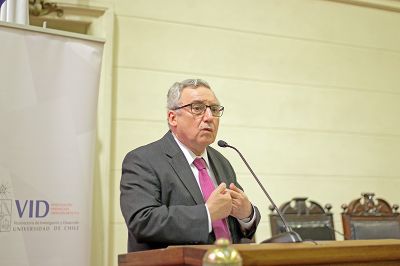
[220, 109]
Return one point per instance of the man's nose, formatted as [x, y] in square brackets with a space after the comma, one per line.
[208, 113]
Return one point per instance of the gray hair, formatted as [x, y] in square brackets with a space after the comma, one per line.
[174, 93]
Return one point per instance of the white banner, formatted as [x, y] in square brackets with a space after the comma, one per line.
[48, 98]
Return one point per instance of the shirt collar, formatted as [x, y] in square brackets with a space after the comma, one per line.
[189, 155]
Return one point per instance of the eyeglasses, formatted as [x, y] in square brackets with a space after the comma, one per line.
[200, 108]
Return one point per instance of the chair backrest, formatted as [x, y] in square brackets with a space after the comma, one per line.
[369, 218]
[308, 218]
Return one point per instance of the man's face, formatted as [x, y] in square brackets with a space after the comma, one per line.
[195, 131]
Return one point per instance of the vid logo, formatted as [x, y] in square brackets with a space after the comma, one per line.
[5, 209]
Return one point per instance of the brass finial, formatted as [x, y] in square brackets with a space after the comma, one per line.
[222, 254]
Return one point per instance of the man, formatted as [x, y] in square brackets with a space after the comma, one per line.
[178, 190]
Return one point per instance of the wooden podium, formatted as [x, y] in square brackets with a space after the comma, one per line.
[349, 252]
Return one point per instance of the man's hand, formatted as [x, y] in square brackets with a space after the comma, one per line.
[241, 206]
[219, 203]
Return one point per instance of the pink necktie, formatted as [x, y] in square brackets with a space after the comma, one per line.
[207, 186]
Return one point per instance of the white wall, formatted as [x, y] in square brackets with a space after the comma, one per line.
[310, 87]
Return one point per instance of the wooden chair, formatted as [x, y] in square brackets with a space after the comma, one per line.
[308, 218]
[369, 218]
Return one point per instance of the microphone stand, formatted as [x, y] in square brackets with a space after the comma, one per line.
[289, 236]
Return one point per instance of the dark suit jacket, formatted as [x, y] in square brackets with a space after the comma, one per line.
[161, 201]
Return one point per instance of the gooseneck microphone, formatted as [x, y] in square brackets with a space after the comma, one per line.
[289, 236]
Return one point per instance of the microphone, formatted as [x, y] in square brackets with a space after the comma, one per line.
[289, 236]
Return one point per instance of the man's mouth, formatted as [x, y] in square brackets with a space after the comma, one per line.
[207, 129]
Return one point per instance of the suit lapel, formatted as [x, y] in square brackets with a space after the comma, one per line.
[181, 167]
[216, 166]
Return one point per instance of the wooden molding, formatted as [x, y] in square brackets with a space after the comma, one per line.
[76, 18]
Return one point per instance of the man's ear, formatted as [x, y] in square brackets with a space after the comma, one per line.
[172, 118]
